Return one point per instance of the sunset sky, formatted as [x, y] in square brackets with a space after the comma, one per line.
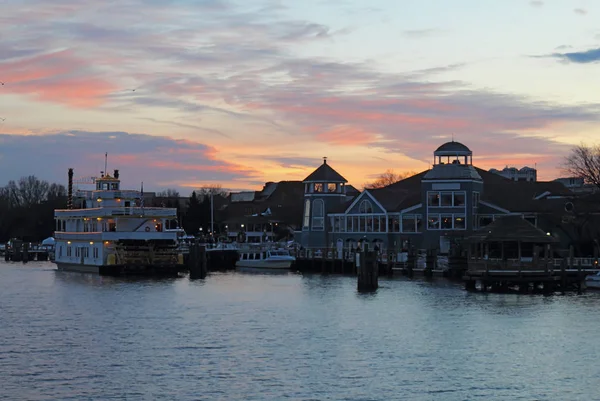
[242, 92]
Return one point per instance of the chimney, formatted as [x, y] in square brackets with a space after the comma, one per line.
[116, 174]
[70, 190]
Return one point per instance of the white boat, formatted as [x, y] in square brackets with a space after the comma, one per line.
[112, 234]
[261, 258]
[593, 281]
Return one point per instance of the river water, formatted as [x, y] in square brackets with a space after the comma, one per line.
[234, 336]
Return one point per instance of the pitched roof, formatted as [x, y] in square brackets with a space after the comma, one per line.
[512, 228]
[520, 196]
[325, 174]
[401, 194]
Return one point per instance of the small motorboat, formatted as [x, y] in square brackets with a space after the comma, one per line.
[264, 259]
[593, 281]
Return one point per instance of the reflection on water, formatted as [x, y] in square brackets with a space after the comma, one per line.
[286, 336]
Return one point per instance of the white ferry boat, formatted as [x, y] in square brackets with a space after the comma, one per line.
[262, 258]
[112, 235]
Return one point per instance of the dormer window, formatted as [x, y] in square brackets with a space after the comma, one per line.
[318, 187]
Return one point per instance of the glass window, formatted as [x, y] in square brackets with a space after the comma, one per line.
[393, 224]
[376, 220]
[361, 224]
[475, 200]
[343, 224]
[318, 187]
[459, 199]
[419, 223]
[446, 222]
[306, 222]
[331, 187]
[433, 199]
[434, 222]
[459, 222]
[446, 199]
[365, 207]
[409, 224]
[318, 219]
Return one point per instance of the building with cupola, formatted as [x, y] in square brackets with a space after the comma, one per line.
[438, 207]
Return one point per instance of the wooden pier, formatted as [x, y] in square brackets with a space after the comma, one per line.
[19, 251]
[511, 254]
[328, 261]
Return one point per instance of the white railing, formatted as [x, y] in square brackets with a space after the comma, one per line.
[117, 211]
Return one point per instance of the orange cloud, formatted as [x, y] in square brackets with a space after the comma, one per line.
[59, 77]
[347, 135]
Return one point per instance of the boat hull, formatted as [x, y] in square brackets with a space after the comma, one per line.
[593, 284]
[73, 267]
[121, 270]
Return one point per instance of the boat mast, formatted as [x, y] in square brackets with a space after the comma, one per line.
[105, 163]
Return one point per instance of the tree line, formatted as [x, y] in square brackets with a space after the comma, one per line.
[27, 208]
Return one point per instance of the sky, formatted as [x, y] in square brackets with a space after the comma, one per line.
[188, 93]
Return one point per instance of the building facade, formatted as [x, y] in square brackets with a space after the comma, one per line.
[512, 173]
[432, 209]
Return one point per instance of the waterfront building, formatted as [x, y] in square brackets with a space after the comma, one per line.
[258, 216]
[512, 173]
[438, 207]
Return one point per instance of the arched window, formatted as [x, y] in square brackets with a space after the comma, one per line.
[318, 215]
[306, 222]
[365, 207]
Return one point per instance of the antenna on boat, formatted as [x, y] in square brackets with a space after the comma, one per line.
[105, 162]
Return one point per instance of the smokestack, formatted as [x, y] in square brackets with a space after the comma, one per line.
[70, 190]
[116, 174]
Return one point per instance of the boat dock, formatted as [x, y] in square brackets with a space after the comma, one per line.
[19, 251]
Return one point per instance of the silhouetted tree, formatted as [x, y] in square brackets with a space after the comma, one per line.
[387, 178]
[27, 208]
[193, 215]
[584, 162]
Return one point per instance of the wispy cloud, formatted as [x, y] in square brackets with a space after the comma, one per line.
[582, 57]
[158, 161]
[536, 3]
[580, 11]
[221, 69]
[421, 33]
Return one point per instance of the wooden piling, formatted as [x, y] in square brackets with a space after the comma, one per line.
[25, 252]
[368, 273]
[197, 261]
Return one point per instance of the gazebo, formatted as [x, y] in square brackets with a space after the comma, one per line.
[509, 242]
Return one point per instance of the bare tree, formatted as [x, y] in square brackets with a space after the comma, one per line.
[32, 191]
[584, 162]
[168, 193]
[28, 191]
[56, 191]
[387, 178]
[212, 189]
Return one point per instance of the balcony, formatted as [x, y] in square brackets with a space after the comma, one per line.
[116, 211]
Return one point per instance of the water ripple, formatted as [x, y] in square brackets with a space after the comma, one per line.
[72, 336]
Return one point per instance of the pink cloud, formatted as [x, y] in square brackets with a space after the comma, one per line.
[347, 135]
[59, 77]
